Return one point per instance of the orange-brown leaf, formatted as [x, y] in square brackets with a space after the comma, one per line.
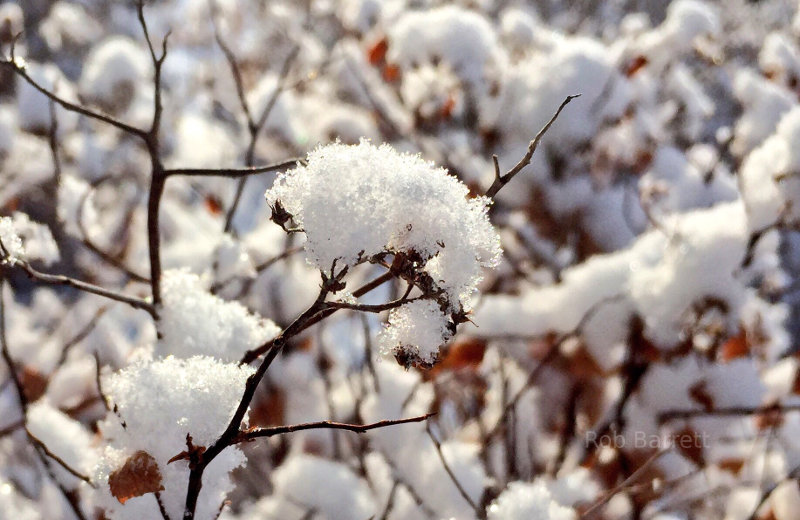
[377, 52]
[636, 65]
[732, 465]
[464, 354]
[138, 476]
[213, 205]
[734, 347]
[34, 383]
[391, 73]
[446, 112]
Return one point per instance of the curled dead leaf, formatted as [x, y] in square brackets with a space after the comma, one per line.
[138, 476]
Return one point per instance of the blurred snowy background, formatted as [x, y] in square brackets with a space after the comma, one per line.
[648, 295]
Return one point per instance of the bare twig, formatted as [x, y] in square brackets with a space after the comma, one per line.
[502, 180]
[161, 508]
[233, 172]
[479, 512]
[389, 501]
[41, 445]
[11, 428]
[733, 411]
[81, 335]
[532, 377]
[767, 493]
[254, 126]
[326, 425]
[263, 266]
[252, 355]
[632, 478]
[94, 248]
[22, 72]
[232, 431]
[70, 497]
[376, 308]
[157, 178]
[57, 279]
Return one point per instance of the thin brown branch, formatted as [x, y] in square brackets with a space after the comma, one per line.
[232, 172]
[254, 127]
[81, 335]
[733, 411]
[252, 355]
[11, 428]
[235, 72]
[263, 266]
[161, 508]
[499, 426]
[376, 308]
[232, 431]
[326, 425]
[622, 485]
[94, 248]
[52, 139]
[4, 351]
[57, 279]
[158, 61]
[69, 469]
[153, 234]
[20, 70]
[479, 512]
[158, 177]
[390, 501]
[502, 180]
[398, 478]
[767, 493]
[70, 497]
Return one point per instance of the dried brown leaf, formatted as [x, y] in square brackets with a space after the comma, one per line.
[138, 476]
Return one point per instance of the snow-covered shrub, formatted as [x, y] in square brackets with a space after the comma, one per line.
[468, 308]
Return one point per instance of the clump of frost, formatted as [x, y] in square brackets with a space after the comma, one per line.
[24, 239]
[525, 501]
[355, 202]
[686, 21]
[770, 175]
[694, 258]
[764, 104]
[157, 404]
[12, 243]
[418, 327]
[112, 71]
[326, 487]
[779, 57]
[459, 37]
[37, 239]
[196, 322]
